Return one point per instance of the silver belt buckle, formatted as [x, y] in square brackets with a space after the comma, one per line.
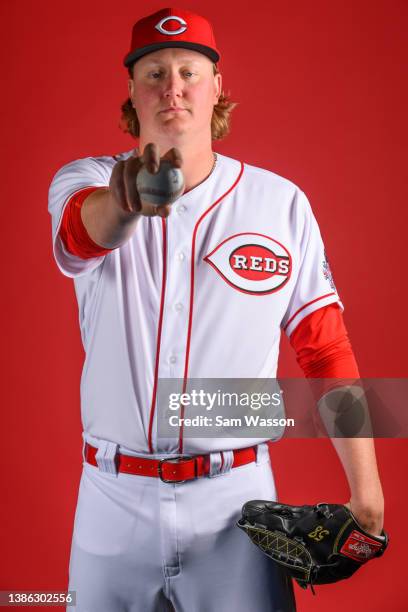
[176, 460]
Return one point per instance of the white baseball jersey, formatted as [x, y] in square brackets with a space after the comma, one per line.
[202, 294]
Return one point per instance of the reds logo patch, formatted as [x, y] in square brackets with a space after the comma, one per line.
[252, 263]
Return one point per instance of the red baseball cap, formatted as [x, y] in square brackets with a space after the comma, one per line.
[172, 27]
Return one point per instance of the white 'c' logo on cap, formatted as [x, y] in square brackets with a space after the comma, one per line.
[162, 30]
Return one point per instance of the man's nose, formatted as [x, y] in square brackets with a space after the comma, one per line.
[174, 85]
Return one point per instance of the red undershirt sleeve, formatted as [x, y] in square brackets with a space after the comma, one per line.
[323, 348]
[73, 232]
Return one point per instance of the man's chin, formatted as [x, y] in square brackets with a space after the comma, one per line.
[176, 118]
[175, 125]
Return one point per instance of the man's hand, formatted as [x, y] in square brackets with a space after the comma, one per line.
[110, 215]
[122, 184]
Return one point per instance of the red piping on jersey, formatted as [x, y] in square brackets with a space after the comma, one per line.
[190, 316]
[306, 305]
[248, 234]
[159, 331]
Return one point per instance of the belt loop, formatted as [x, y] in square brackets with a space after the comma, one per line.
[83, 447]
[262, 453]
[228, 460]
[215, 464]
[106, 457]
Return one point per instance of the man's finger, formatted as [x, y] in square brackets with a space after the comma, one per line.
[151, 157]
[131, 168]
[117, 186]
[175, 157]
[163, 211]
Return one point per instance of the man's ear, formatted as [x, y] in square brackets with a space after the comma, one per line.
[130, 88]
[218, 85]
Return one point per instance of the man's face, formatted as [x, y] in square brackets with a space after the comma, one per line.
[171, 79]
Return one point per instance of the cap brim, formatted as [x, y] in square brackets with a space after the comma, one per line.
[135, 55]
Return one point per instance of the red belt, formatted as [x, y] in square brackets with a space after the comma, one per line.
[176, 470]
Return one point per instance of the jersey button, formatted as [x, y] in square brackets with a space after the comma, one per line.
[180, 209]
[178, 307]
[181, 256]
[173, 359]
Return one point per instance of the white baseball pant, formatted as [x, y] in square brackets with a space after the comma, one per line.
[142, 545]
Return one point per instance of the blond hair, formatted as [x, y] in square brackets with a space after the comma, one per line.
[220, 120]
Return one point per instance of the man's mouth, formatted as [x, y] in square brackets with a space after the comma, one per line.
[173, 109]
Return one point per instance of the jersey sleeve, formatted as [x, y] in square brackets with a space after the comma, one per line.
[69, 181]
[314, 286]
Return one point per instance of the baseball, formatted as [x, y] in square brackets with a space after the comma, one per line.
[161, 188]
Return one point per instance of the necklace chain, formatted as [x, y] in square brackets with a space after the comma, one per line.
[211, 171]
[214, 164]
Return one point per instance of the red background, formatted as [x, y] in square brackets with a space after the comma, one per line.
[322, 100]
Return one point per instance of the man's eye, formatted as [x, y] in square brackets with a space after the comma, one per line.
[159, 74]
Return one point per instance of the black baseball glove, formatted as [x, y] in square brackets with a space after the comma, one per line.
[314, 544]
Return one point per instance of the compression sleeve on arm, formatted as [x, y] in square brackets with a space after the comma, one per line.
[322, 346]
[323, 350]
[73, 232]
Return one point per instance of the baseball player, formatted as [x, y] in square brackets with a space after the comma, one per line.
[201, 288]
